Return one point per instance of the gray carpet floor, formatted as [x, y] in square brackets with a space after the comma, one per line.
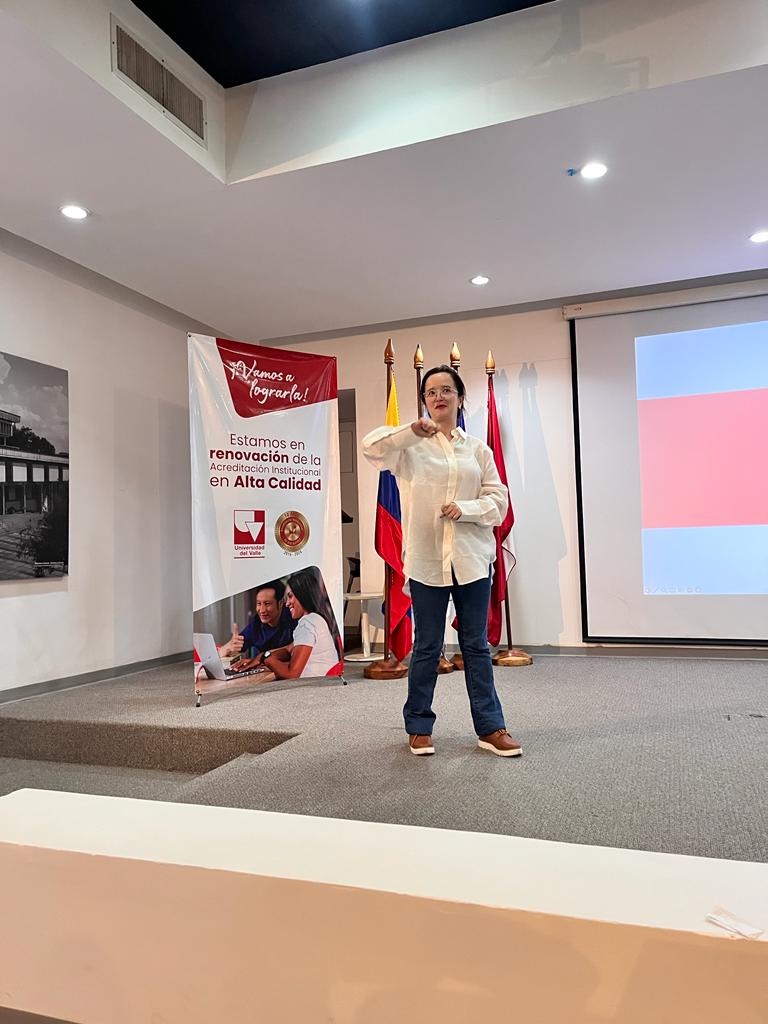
[659, 754]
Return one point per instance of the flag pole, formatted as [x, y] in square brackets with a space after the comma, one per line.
[512, 655]
[444, 666]
[455, 357]
[418, 365]
[387, 667]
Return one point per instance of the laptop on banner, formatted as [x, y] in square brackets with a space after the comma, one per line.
[210, 659]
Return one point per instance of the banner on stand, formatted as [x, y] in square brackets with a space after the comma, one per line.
[266, 514]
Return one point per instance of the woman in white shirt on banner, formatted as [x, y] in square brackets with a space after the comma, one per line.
[451, 498]
[316, 648]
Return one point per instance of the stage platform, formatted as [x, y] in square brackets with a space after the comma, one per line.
[657, 753]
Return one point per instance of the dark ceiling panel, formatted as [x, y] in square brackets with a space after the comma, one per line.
[238, 41]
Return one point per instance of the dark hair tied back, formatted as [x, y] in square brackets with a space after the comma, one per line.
[458, 383]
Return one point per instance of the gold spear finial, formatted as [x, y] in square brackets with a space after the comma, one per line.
[455, 356]
[418, 359]
[490, 364]
[389, 353]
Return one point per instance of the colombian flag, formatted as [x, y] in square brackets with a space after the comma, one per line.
[389, 545]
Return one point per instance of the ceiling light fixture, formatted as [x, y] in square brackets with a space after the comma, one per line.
[74, 212]
[594, 169]
[759, 236]
[480, 279]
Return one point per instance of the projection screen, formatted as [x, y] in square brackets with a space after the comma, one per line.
[672, 459]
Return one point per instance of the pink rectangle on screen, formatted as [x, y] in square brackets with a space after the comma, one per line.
[704, 459]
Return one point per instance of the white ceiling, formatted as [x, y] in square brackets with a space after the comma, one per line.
[397, 234]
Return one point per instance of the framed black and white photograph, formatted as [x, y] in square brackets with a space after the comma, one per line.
[34, 469]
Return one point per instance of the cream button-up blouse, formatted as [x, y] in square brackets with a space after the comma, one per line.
[431, 472]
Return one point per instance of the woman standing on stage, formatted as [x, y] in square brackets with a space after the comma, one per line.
[451, 498]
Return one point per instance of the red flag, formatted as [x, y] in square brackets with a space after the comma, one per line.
[505, 559]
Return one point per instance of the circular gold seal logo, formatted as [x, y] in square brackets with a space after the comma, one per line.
[292, 531]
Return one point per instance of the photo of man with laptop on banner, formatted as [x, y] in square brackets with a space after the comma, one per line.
[293, 633]
[266, 515]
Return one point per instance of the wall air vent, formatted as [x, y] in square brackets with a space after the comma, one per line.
[152, 77]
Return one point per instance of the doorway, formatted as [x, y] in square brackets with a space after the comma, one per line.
[350, 517]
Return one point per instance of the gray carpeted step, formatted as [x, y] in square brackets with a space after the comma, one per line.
[139, 783]
[130, 744]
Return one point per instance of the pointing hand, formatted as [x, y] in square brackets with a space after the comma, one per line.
[424, 427]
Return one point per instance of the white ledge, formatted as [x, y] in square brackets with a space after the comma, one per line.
[631, 887]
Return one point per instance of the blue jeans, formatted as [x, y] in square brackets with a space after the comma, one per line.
[429, 607]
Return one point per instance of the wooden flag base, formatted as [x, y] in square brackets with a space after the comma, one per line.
[516, 656]
[386, 668]
[513, 656]
[444, 666]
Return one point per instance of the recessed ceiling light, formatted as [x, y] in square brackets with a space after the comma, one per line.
[759, 236]
[594, 169]
[480, 279]
[74, 212]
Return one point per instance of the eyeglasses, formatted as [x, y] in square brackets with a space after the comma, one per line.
[434, 393]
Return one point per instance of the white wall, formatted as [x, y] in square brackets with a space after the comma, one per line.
[533, 393]
[350, 532]
[129, 594]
